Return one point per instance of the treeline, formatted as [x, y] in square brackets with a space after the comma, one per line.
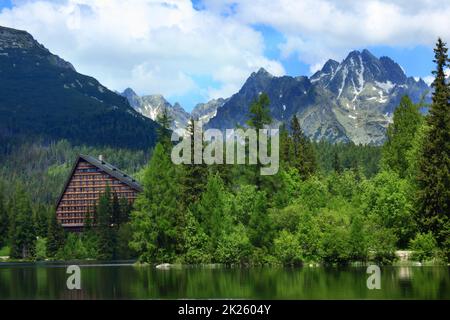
[347, 212]
[33, 174]
[341, 156]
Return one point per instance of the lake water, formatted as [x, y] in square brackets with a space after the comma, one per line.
[125, 281]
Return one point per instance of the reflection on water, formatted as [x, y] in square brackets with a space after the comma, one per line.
[405, 273]
[112, 281]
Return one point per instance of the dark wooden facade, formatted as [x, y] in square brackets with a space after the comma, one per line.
[87, 182]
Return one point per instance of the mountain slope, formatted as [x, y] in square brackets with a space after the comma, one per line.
[151, 106]
[43, 96]
[366, 91]
[288, 96]
[205, 111]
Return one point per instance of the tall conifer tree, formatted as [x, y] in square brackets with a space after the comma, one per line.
[400, 136]
[4, 220]
[158, 218]
[304, 158]
[434, 166]
[194, 176]
[55, 236]
[259, 117]
[104, 226]
[21, 229]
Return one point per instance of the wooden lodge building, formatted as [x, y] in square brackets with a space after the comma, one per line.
[87, 182]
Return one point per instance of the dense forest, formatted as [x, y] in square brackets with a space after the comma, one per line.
[329, 203]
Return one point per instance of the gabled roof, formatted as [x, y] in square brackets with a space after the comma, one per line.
[106, 167]
[113, 171]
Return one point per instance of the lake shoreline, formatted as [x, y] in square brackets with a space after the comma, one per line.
[167, 266]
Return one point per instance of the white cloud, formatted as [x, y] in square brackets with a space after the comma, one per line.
[152, 46]
[158, 46]
[428, 79]
[316, 30]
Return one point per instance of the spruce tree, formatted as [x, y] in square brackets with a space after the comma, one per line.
[55, 236]
[40, 220]
[259, 117]
[400, 136]
[211, 210]
[104, 226]
[259, 113]
[21, 229]
[285, 147]
[260, 226]
[125, 209]
[158, 217]
[304, 158]
[4, 220]
[434, 165]
[164, 120]
[194, 176]
[337, 167]
[115, 211]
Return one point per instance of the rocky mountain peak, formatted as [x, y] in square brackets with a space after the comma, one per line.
[17, 39]
[13, 41]
[153, 105]
[261, 73]
[133, 99]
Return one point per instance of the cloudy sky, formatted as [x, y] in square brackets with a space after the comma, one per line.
[192, 51]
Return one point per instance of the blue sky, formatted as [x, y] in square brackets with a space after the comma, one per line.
[5, 4]
[194, 51]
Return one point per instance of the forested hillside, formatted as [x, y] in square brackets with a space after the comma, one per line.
[43, 97]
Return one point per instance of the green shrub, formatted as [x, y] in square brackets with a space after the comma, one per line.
[4, 252]
[388, 199]
[381, 243]
[73, 249]
[234, 248]
[287, 248]
[424, 247]
[41, 249]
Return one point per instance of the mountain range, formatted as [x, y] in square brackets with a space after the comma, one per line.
[352, 100]
[152, 105]
[44, 96]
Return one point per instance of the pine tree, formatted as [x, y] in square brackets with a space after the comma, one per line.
[400, 136]
[4, 220]
[434, 166]
[211, 210]
[259, 225]
[125, 209]
[115, 211]
[21, 229]
[40, 220]
[259, 117]
[285, 147]
[55, 236]
[194, 176]
[337, 167]
[304, 158]
[260, 113]
[104, 228]
[158, 217]
[164, 120]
